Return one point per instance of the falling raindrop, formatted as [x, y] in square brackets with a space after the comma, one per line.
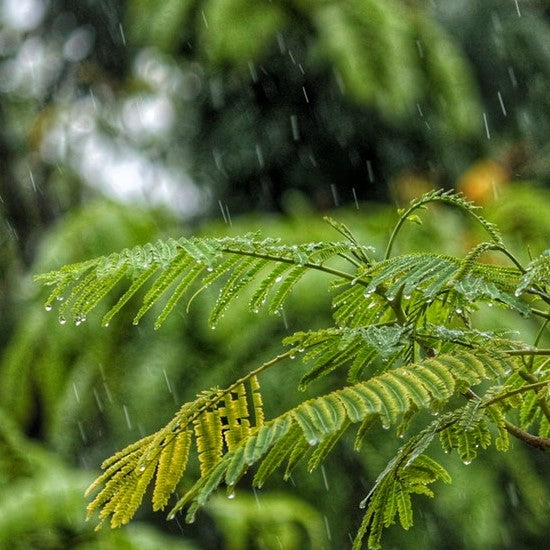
[256, 496]
[327, 528]
[76, 393]
[487, 132]
[294, 126]
[82, 433]
[260, 156]
[223, 211]
[503, 108]
[285, 321]
[512, 76]
[98, 401]
[127, 416]
[370, 171]
[122, 36]
[325, 480]
[355, 198]
[167, 381]
[253, 71]
[108, 392]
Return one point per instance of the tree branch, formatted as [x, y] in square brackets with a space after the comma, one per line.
[541, 443]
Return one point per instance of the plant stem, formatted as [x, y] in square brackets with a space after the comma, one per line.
[522, 352]
[541, 443]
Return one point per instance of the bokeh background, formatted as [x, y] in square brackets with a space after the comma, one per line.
[122, 122]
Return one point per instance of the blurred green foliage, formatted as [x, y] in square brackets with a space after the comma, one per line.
[271, 106]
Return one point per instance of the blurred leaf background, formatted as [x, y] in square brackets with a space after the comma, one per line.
[126, 121]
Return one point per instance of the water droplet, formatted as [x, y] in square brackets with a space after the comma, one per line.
[142, 468]
[466, 462]
[279, 279]
[62, 320]
[390, 298]
[106, 324]
[231, 495]
[407, 296]
[301, 350]
[293, 356]
[517, 292]
[213, 327]
[363, 504]
[48, 307]
[372, 304]
[458, 310]
[313, 441]
[209, 269]
[490, 304]
[59, 298]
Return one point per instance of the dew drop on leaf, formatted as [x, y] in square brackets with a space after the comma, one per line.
[48, 307]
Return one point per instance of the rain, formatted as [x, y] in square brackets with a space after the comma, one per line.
[133, 133]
